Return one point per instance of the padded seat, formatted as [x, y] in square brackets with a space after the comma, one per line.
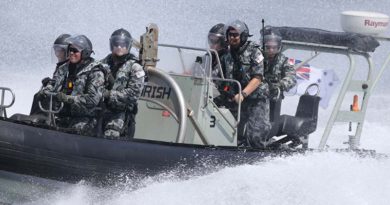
[34, 119]
[305, 120]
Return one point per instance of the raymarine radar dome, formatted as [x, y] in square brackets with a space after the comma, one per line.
[363, 22]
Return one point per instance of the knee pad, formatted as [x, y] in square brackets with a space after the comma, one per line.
[110, 134]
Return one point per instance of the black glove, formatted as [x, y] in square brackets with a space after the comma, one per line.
[106, 94]
[64, 98]
[43, 93]
[276, 91]
[45, 81]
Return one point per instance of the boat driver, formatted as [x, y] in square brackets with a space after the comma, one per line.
[60, 47]
[126, 81]
[79, 84]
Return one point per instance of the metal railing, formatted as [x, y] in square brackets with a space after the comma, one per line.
[348, 85]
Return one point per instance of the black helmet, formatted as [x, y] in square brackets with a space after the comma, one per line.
[218, 29]
[242, 29]
[60, 48]
[82, 43]
[272, 39]
[216, 36]
[61, 39]
[121, 37]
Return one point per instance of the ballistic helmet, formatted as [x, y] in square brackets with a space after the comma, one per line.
[61, 39]
[122, 38]
[272, 41]
[242, 29]
[81, 43]
[60, 47]
[216, 37]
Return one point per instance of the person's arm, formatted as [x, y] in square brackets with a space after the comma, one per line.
[56, 83]
[288, 81]
[93, 91]
[252, 85]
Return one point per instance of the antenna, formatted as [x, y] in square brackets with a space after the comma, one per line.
[263, 43]
[262, 35]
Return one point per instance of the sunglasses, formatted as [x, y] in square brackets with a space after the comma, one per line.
[73, 50]
[235, 35]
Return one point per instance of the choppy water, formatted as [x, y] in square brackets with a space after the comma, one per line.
[28, 29]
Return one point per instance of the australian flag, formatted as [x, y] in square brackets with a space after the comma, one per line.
[307, 75]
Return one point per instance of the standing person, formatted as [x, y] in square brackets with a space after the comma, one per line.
[60, 47]
[278, 72]
[79, 84]
[244, 63]
[217, 41]
[125, 85]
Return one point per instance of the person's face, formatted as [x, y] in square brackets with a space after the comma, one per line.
[60, 52]
[74, 55]
[234, 38]
[272, 48]
[120, 50]
[119, 46]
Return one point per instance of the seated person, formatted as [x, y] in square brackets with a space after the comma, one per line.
[124, 88]
[79, 84]
[60, 47]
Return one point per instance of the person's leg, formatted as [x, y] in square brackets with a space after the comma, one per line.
[84, 124]
[241, 128]
[114, 125]
[131, 126]
[258, 125]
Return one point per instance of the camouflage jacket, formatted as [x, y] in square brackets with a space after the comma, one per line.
[215, 72]
[244, 65]
[126, 84]
[87, 86]
[279, 70]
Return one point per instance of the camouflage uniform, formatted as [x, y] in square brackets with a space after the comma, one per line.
[279, 72]
[215, 73]
[84, 83]
[126, 84]
[243, 65]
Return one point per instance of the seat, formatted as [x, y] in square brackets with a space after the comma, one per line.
[31, 119]
[305, 120]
